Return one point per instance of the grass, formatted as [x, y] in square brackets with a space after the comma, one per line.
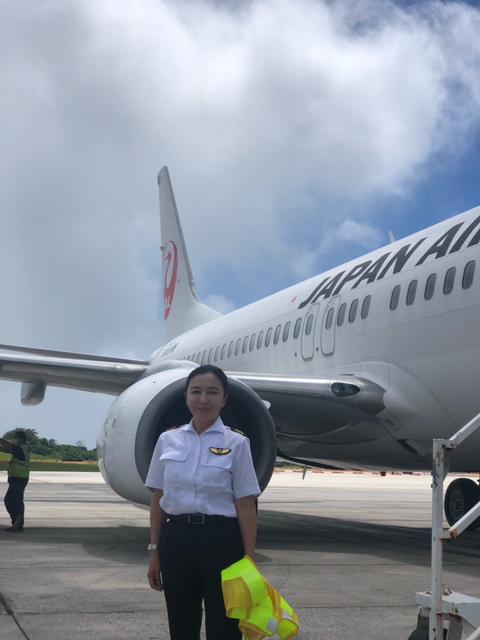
[42, 463]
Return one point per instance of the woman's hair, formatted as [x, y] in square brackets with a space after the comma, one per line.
[209, 368]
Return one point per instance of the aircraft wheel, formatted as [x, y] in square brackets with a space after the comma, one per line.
[460, 497]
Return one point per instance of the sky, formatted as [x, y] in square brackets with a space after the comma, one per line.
[297, 134]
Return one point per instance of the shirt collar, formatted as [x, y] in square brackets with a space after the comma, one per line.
[216, 426]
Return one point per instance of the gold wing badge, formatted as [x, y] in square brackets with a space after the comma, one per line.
[218, 451]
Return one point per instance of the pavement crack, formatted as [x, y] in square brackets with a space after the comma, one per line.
[6, 605]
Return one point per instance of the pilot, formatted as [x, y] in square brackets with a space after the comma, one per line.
[202, 513]
[18, 475]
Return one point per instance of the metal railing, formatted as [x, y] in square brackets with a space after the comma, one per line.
[444, 604]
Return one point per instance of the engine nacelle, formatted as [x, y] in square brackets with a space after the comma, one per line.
[157, 402]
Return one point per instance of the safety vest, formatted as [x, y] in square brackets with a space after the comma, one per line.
[19, 468]
[259, 607]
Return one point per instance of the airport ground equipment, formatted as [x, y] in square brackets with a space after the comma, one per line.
[445, 614]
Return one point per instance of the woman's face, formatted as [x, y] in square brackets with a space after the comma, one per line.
[205, 397]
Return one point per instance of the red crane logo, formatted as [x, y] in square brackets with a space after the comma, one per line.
[169, 265]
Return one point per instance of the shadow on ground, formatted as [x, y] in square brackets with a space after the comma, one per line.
[277, 530]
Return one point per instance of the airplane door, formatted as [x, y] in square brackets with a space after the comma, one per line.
[308, 331]
[327, 339]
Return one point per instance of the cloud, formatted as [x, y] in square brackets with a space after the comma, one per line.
[362, 234]
[281, 123]
[220, 303]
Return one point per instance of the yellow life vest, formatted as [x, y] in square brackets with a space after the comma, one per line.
[19, 468]
[259, 607]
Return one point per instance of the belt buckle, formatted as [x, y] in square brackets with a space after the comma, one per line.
[196, 518]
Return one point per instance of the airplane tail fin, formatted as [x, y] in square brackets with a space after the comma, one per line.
[182, 307]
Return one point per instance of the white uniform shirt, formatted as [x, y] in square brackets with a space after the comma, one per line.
[202, 473]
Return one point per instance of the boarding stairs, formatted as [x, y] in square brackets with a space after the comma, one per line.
[445, 614]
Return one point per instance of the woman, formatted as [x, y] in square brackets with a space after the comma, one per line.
[202, 514]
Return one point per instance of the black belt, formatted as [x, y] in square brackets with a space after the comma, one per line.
[200, 518]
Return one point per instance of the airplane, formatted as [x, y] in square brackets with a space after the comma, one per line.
[359, 367]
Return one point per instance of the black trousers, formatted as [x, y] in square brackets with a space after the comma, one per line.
[14, 498]
[192, 557]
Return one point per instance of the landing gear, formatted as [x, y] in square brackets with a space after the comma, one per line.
[460, 497]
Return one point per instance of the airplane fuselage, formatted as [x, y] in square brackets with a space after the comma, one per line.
[404, 316]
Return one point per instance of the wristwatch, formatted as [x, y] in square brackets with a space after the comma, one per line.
[152, 547]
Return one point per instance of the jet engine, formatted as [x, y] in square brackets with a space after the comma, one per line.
[156, 403]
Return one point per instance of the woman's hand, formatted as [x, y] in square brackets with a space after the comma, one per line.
[247, 520]
[153, 574]
[157, 521]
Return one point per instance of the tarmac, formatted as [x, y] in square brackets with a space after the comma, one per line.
[347, 550]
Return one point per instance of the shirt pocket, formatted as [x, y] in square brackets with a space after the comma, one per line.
[174, 462]
[216, 470]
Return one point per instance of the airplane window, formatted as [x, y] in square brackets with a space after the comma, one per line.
[237, 346]
[276, 335]
[449, 281]
[230, 349]
[268, 337]
[298, 326]
[217, 351]
[352, 314]
[198, 357]
[286, 331]
[365, 307]
[260, 340]
[395, 297]
[209, 359]
[308, 324]
[245, 344]
[252, 342]
[204, 357]
[329, 320]
[411, 292]
[468, 274]
[341, 314]
[430, 286]
[222, 354]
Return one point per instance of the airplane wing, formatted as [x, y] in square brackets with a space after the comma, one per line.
[320, 409]
[37, 368]
[333, 421]
[348, 390]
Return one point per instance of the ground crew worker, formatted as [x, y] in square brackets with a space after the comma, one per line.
[18, 475]
[202, 515]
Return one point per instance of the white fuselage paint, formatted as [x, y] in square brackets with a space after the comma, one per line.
[425, 354]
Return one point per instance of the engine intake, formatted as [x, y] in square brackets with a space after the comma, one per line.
[155, 403]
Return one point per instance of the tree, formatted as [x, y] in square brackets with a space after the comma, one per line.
[51, 448]
[32, 434]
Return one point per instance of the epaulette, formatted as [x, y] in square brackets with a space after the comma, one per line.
[170, 429]
[238, 431]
